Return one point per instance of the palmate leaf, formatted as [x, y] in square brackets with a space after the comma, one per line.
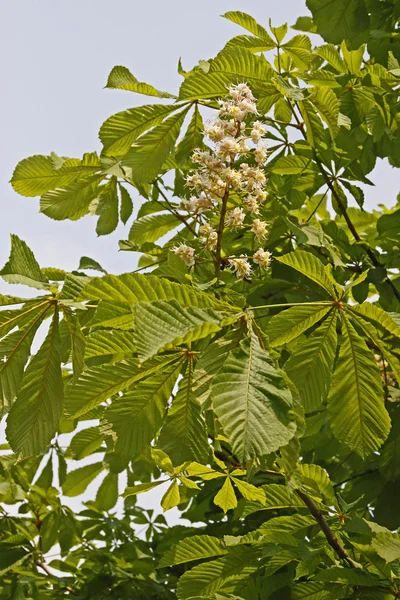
[35, 415]
[183, 436]
[138, 414]
[307, 264]
[220, 575]
[100, 383]
[120, 131]
[310, 366]
[107, 494]
[329, 53]
[22, 266]
[162, 325]
[358, 416]
[107, 208]
[248, 22]
[196, 547]
[293, 165]
[375, 313]
[252, 402]
[131, 288]
[15, 350]
[231, 65]
[77, 481]
[226, 498]
[85, 442]
[193, 137]
[289, 324]
[72, 201]
[276, 496]
[121, 78]
[151, 227]
[151, 150]
[113, 344]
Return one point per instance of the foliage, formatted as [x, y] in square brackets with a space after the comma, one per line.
[250, 367]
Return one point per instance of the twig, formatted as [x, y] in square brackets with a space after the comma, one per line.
[327, 531]
[367, 472]
[172, 210]
[46, 570]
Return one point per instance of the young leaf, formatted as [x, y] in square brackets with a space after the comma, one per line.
[251, 401]
[171, 497]
[310, 366]
[248, 22]
[193, 137]
[249, 491]
[226, 498]
[358, 416]
[141, 488]
[36, 413]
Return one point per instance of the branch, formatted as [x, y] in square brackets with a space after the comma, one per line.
[46, 570]
[375, 261]
[172, 210]
[327, 531]
[367, 472]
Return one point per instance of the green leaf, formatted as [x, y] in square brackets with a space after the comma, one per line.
[377, 314]
[36, 413]
[49, 531]
[220, 575]
[249, 23]
[72, 201]
[171, 497]
[355, 577]
[299, 49]
[131, 288]
[231, 65]
[15, 351]
[314, 474]
[249, 491]
[36, 175]
[252, 402]
[289, 324]
[151, 227]
[327, 106]
[314, 590]
[358, 416]
[162, 325]
[11, 559]
[85, 442]
[100, 383]
[126, 205]
[293, 165]
[226, 498]
[120, 131]
[109, 343]
[183, 436]
[107, 494]
[387, 546]
[138, 415]
[305, 24]
[22, 266]
[107, 208]
[77, 481]
[310, 366]
[339, 20]
[90, 263]
[329, 53]
[193, 548]
[141, 488]
[276, 496]
[151, 150]
[193, 137]
[77, 340]
[314, 127]
[121, 78]
[307, 264]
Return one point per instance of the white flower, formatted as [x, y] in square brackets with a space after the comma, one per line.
[212, 241]
[259, 228]
[257, 131]
[206, 229]
[260, 194]
[262, 258]
[203, 203]
[235, 217]
[241, 267]
[190, 205]
[215, 132]
[260, 154]
[227, 148]
[186, 253]
[242, 146]
[251, 204]
[233, 177]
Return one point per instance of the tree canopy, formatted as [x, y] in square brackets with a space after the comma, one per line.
[250, 364]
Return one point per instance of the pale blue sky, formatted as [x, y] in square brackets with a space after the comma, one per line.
[56, 56]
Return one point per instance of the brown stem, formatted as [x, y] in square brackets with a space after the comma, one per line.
[327, 531]
[375, 261]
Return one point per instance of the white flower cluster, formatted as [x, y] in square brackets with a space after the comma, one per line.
[218, 173]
